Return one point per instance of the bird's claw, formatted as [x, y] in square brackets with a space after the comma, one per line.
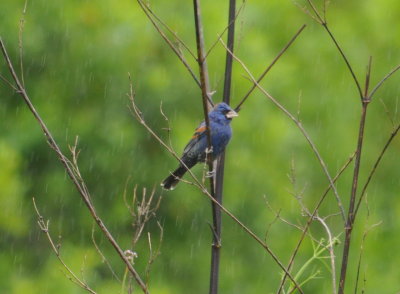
[209, 150]
[210, 174]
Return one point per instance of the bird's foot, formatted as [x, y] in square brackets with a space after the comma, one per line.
[209, 150]
[210, 174]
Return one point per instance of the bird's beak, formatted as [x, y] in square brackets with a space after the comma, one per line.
[231, 114]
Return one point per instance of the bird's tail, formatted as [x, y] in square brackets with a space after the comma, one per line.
[170, 182]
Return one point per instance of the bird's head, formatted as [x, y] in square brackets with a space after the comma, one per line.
[225, 110]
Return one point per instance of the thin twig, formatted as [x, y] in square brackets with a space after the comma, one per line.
[170, 44]
[344, 57]
[361, 253]
[374, 168]
[142, 211]
[283, 220]
[345, 60]
[204, 80]
[44, 226]
[20, 42]
[156, 17]
[393, 71]
[284, 49]
[322, 21]
[230, 23]
[331, 243]
[153, 254]
[103, 258]
[326, 2]
[367, 78]
[8, 83]
[388, 114]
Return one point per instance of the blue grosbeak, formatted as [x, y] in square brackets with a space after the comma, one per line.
[195, 151]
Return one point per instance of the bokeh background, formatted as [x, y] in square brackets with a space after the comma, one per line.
[77, 55]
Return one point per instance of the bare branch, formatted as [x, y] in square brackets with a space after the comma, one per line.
[331, 242]
[323, 22]
[44, 226]
[232, 21]
[20, 42]
[220, 164]
[320, 19]
[151, 12]
[389, 116]
[345, 59]
[153, 254]
[8, 83]
[170, 44]
[367, 230]
[284, 49]
[103, 257]
[376, 88]
[367, 78]
[70, 171]
[350, 215]
[374, 168]
[144, 209]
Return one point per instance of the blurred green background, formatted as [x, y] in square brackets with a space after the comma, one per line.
[77, 55]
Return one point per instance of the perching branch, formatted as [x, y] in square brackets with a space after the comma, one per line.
[205, 89]
[138, 115]
[204, 80]
[219, 178]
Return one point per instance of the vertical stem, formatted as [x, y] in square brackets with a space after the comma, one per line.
[204, 85]
[205, 89]
[229, 57]
[350, 215]
[219, 180]
[204, 80]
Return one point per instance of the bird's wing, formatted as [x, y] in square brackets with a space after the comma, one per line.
[198, 136]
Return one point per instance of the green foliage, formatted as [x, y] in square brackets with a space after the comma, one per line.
[76, 58]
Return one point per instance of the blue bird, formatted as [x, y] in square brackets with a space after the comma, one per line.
[195, 151]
